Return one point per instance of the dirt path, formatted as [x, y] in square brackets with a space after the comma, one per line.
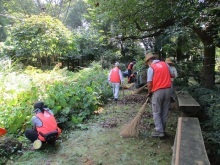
[101, 144]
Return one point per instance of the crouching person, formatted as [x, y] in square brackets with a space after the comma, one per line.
[45, 127]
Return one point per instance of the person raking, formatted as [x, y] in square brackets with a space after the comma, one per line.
[159, 86]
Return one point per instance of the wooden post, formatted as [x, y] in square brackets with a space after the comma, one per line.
[178, 141]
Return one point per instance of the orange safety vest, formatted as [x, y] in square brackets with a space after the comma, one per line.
[49, 124]
[161, 78]
[130, 66]
[115, 77]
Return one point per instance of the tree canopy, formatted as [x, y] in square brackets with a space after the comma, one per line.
[165, 27]
[134, 19]
[39, 36]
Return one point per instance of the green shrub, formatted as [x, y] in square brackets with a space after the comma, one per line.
[209, 100]
[72, 96]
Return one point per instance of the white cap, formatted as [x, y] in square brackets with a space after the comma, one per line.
[117, 64]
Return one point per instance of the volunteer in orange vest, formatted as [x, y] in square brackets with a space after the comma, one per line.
[159, 87]
[115, 77]
[130, 68]
[43, 123]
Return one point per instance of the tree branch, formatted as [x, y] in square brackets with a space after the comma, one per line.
[123, 38]
[11, 17]
[163, 25]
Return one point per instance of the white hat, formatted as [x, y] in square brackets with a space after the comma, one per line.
[117, 64]
[169, 61]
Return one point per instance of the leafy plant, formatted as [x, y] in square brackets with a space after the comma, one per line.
[38, 39]
[210, 123]
[73, 97]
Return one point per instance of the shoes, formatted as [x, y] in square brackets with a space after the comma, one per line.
[166, 135]
[115, 99]
[157, 134]
[172, 100]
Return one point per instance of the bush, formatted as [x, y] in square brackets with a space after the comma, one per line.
[72, 96]
[209, 100]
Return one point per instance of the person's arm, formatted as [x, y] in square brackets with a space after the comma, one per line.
[175, 72]
[133, 67]
[171, 72]
[36, 122]
[149, 79]
[149, 86]
[121, 76]
[33, 123]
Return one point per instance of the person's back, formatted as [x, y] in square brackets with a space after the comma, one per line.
[49, 124]
[115, 77]
[45, 127]
[161, 78]
[158, 84]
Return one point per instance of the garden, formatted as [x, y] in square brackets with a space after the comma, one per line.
[61, 52]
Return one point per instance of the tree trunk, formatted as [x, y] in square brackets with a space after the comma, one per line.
[122, 50]
[179, 52]
[208, 69]
[39, 5]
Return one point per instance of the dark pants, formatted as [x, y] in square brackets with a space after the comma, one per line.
[129, 73]
[31, 134]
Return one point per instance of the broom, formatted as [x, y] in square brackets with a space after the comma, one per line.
[139, 90]
[132, 129]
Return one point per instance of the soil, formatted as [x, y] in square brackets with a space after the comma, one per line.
[98, 141]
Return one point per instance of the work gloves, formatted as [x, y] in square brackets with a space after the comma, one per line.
[149, 95]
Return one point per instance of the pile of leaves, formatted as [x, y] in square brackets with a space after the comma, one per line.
[130, 99]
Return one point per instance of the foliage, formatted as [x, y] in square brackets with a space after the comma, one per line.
[181, 44]
[39, 37]
[75, 16]
[18, 7]
[187, 70]
[72, 96]
[145, 19]
[210, 121]
[92, 45]
[135, 19]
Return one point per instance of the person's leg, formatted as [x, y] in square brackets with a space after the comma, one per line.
[113, 89]
[129, 73]
[165, 107]
[31, 134]
[157, 99]
[117, 86]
